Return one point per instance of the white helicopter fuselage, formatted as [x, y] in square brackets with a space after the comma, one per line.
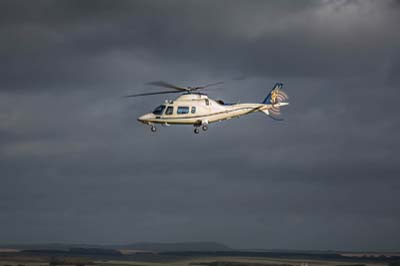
[199, 110]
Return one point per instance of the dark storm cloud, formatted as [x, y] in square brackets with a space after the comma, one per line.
[60, 39]
[76, 167]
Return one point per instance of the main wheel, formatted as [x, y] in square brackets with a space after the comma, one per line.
[196, 130]
[153, 129]
[204, 127]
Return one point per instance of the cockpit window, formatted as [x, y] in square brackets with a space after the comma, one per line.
[159, 110]
[170, 110]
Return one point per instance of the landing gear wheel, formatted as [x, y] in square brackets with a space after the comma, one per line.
[196, 130]
[204, 127]
[153, 129]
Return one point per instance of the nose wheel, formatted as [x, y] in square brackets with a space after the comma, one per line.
[153, 129]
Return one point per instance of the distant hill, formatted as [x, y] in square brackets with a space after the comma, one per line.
[49, 246]
[145, 246]
[73, 251]
[182, 246]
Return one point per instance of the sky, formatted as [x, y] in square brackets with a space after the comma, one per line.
[77, 167]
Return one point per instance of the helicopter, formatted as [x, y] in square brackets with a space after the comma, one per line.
[197, 109]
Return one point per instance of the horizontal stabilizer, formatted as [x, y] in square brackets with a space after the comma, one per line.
[270, 115]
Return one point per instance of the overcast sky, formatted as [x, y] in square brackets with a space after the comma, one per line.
[76, 166]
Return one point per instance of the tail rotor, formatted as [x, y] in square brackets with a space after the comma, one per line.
[276, 98]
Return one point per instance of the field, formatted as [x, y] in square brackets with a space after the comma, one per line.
[184, 259]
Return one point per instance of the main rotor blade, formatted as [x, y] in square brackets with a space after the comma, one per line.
[167, 85]
[150, 93]
[215, 88]
[213, 84]
[206, 86]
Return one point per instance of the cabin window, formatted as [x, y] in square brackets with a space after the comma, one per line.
[183, 110]
[207, 102]
[170, 110]
[159, 110]
[193, 109]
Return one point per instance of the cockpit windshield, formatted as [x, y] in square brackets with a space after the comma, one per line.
[159, 110]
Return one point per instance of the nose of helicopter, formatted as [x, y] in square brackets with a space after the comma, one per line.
[145, 118]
